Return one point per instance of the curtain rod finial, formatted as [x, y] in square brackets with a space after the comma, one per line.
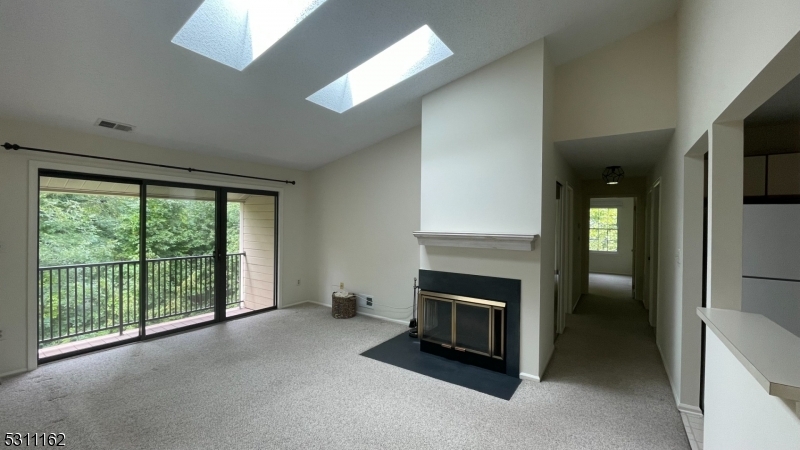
[8, 146]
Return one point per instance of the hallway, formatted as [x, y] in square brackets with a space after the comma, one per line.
[612, 286]
[608, 352]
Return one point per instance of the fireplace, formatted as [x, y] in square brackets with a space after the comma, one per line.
[470, 318]
[463, 328]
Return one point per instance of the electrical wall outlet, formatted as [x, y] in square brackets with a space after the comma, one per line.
[341, 285]
[364, 301]
[298, 282]
[1, 335]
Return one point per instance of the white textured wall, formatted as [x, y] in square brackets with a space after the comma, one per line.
[722, 47]
[725, 193]
[621, 262]
[628, 86]
[15, 229]
[482, 148]
[363, 210]
[482, 166]
[489, 165]
[739, 413]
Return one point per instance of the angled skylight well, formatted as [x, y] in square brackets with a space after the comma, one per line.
[237, 32]
[404, 59]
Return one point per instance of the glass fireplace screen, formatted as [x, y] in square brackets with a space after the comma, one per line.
[462, 323]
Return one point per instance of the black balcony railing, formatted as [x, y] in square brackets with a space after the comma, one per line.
[86, 299]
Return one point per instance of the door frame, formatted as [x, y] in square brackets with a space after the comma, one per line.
[558, 260]
[222, 217]
[655, 252]
[570, 251]
[117, 171]
[635, 250]
[648, 219]
[220, 244]
[586, 211]
[219, 231]
[563, 254]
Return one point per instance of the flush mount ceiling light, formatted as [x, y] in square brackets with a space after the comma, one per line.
[236, 32]
[613, 174]
[404, 59]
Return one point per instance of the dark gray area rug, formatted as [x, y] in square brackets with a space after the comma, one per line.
[403, 351]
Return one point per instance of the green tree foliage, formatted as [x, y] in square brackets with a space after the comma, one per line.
[84, 228]
[179, 228]
[603, 229]
[234, 220]
[89, 229]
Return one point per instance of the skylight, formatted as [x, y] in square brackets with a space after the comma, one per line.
[236, 32]
[404, 59]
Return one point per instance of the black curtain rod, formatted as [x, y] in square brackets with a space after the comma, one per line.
[8, 146]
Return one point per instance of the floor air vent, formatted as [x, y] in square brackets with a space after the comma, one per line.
[114, 125]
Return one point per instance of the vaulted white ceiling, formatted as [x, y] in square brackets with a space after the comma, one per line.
[69, 62]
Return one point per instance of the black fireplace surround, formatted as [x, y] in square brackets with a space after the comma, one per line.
[503, 290]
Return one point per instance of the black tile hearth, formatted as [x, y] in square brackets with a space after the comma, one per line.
[403, 351]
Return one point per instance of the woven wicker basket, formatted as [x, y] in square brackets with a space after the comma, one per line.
[343, 307]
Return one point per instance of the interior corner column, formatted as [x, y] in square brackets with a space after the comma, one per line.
[725, 209]
[692, 261]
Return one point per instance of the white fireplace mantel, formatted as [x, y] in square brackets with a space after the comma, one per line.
[521, 242]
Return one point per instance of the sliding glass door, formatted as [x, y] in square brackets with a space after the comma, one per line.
[252, 251]
[88, 263]
[180, 253]
[123, 259]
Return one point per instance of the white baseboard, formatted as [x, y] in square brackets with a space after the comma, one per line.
[576, 303]
[682, 407]
[327, 305]
[374, 316]
[689, 409]
[613, 273]
[529, 377]
[13, 372]
[292, 305]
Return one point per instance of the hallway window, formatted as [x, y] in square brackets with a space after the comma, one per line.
[603, 229]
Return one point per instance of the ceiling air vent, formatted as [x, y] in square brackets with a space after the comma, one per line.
[114, 125]
[122, 127]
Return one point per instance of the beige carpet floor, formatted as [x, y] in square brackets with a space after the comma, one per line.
[611, 286]
[294, 378]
